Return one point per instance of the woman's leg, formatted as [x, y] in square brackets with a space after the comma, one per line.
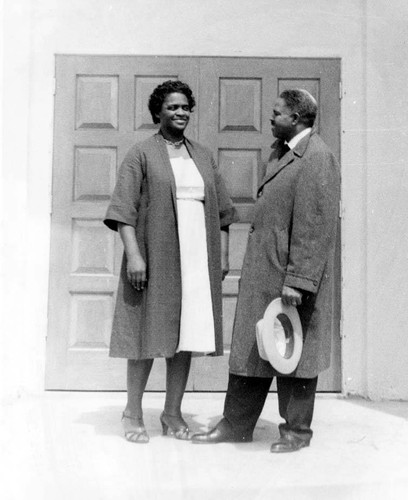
[178, 368]
[138, 372]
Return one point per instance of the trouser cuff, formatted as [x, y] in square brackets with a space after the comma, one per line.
[238, 433]
[286, 431]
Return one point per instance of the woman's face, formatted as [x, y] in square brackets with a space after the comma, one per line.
[174, 114]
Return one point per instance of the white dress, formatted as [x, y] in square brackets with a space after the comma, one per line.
[197, 321]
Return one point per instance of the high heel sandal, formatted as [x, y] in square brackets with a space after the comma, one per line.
[134, 429]
[178, 427]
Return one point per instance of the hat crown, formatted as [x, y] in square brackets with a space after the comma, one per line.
[280, 337]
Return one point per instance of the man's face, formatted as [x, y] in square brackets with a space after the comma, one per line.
[282, 121]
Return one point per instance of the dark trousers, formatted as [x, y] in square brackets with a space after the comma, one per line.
[246, 397]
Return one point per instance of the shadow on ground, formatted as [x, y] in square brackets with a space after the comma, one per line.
[107, 422]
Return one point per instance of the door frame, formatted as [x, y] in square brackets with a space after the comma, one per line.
[228, 286]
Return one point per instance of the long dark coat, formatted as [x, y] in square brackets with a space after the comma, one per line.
[291, 242]
[146, 323]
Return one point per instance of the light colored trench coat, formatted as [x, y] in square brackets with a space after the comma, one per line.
[291, 242]
[146, 323]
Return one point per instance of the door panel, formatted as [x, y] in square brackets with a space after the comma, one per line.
[100, 112]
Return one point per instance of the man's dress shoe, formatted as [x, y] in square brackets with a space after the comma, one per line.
[288, 444]
[220, 434]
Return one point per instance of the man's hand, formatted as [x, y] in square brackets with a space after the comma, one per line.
[291, 296]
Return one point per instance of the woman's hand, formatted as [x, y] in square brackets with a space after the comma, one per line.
[136, 272]
[136, 266]
[224, 265]
[225, 252]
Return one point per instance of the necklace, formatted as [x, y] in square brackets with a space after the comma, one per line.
[175, 144]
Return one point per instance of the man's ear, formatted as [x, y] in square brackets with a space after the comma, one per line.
[295, 118]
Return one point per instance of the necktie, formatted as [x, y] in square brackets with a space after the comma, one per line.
[284, 149]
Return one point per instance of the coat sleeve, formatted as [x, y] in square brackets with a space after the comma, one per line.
[314, 223]
[227, 211]
[125, 199]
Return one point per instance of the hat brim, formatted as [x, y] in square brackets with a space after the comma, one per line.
[282, 346]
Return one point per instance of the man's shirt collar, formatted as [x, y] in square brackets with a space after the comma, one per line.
[294, 141]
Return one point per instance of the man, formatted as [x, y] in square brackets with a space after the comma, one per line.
[290, 254]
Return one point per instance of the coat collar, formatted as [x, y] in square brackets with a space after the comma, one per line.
[275, 164]
[199, 160]
[166, 162]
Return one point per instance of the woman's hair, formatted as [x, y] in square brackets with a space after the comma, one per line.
[302, 102]
[160, 93]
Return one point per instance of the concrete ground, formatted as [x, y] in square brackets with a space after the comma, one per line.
[69, 446]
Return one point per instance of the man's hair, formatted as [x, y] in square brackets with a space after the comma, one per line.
[160, 93]
[302, 102]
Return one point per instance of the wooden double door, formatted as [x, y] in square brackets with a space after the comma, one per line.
[100, 112]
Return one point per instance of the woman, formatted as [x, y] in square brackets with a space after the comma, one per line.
[172, 211]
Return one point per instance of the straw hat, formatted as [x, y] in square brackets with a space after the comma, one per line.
[279, 337]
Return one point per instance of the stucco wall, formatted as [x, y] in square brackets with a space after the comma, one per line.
[387, 200]
[370, 42]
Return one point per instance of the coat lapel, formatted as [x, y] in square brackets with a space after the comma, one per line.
[167, 165]
[200, 162]
[275, 164]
